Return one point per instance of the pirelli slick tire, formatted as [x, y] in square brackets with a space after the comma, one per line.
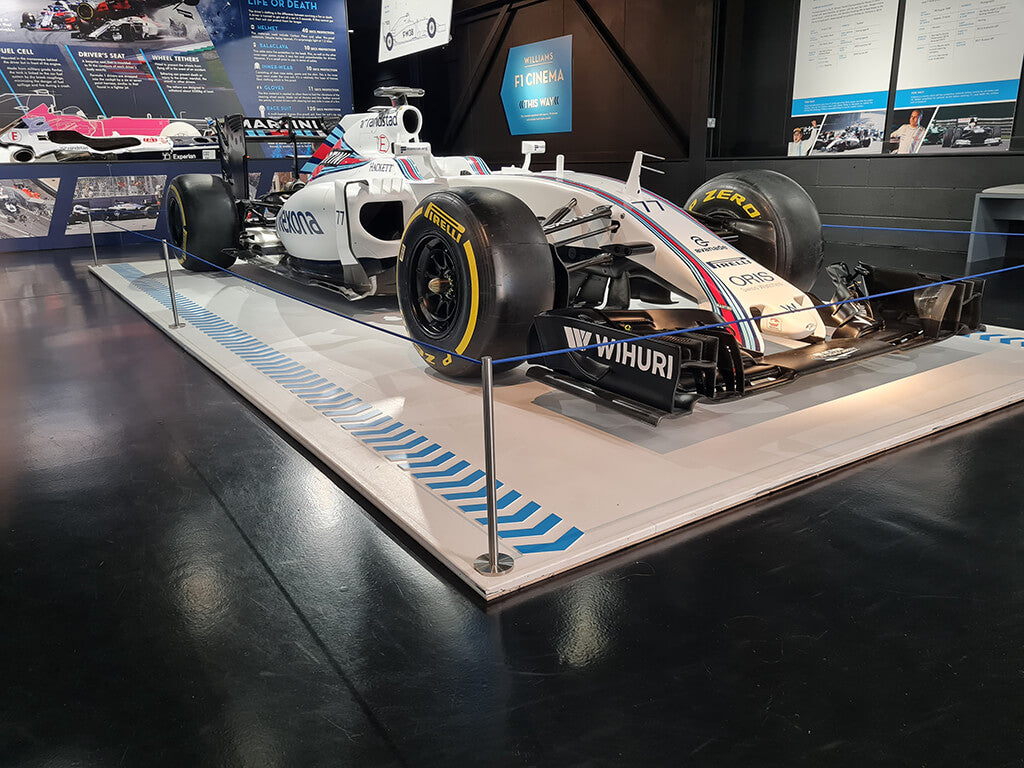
[760, 195]
[203, 221]
[474, 268]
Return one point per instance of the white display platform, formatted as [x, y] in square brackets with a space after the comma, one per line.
[577, 481]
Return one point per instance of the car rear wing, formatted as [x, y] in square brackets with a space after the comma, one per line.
[236, 132]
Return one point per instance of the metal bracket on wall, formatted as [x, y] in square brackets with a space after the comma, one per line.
[647, 92]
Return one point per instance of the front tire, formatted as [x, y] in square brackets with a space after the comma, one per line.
[474, 268]
[759, 195]
[203, 220]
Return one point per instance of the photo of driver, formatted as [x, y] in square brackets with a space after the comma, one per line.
[910, 134]
[803, 133]
[798, 147]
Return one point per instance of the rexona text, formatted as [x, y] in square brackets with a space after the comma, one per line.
[298, 223]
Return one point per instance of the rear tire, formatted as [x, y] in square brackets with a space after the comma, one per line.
[474, 268]
[760, 195]
[203, 221]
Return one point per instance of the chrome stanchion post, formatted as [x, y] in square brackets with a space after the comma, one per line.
[170, 287]
[92, 237]
[491, 563]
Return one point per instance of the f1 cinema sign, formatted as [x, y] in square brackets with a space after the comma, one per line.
[537, 88]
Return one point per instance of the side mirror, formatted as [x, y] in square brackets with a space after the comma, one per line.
[532, 148]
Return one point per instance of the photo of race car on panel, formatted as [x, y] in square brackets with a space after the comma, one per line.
[26, 206]
[116, 203]
[957, 128]
[151, 23]
[846, 133]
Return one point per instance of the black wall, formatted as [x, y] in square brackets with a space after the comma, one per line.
[640, 80]
[667, 67]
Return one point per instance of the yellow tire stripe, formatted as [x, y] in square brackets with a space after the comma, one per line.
[474, 305]
[184, 226]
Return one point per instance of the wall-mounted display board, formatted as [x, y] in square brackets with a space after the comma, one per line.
[956, 85]
[841, 81]
[959, 72]
[133, 81]
[188, 59]
[411, 26]
[52, 209]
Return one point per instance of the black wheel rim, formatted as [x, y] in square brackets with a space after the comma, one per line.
[437, 294]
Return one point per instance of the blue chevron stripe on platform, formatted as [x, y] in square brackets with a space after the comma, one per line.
[449, 477]
[1000, 338]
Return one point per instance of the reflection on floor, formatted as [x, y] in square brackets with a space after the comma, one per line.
[181, 585]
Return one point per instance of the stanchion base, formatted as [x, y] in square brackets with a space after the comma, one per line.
[176, 326]
[483, 564]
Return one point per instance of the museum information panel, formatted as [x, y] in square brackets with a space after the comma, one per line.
[841, 80]
[72, 72]
[959, 72]
[170, 59]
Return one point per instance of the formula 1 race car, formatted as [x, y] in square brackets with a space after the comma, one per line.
[121, 210]
[59, 16]
[974, 135]
[41, 118]
[500, 263]
[10, 207]
[128, 29]
[848, 140]
[40, 134]
[129, 20]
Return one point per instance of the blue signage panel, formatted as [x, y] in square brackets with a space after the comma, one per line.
[537, 88]
[966, 93]
[850, 102]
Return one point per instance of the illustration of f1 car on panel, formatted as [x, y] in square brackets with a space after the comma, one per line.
[407, 28]
[42, 134]
[507, 262]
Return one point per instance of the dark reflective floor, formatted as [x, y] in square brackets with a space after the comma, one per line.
[180, 585]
